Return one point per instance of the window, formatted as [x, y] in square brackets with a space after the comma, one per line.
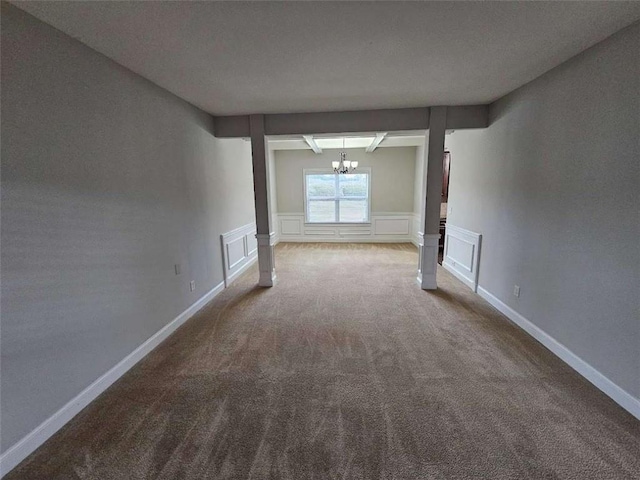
[336, 198]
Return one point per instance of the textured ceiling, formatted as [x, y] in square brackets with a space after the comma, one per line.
[264, 57]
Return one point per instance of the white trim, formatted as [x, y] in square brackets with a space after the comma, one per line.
[430, 239]
[320, 232]
[415, 228]
[228, 254]
[312, 143]
[290, 226]
[232, 277]
[328, 171]
[428, 260]
[376, 141]
[466, 268]
[345, 239]
[389, 225]
[374, 214]
[337, 224]
[266, 259]
[459, 276]
[30, 442]
[355, 233]
[232, 267]
[346, 232]
[616, 393]
[239, 230]
[266, 239]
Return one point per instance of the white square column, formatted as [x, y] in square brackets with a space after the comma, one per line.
[265, 236]
[427, 260]
[428, 238]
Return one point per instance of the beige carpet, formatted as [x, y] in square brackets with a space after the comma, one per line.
[346, 370]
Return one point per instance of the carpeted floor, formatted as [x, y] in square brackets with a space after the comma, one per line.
[346, 370]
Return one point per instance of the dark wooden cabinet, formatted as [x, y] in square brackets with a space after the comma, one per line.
[446, 164]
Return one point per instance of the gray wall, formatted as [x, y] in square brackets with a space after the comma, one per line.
[392, 171]
[553, 186]
[107, 182]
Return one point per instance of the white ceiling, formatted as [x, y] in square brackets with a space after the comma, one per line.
[279, 57]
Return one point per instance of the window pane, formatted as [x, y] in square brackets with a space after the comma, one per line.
[325, 191]
[321, 210]
[354, 185]
[354, 211]
[321, 185]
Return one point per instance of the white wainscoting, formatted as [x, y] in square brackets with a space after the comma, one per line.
[275, 228]
[385, 227]
[290, 226]
[239, 251]
[416, 228]
[462, 254]
[392, 225]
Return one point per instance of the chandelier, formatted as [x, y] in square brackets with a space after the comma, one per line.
[344, 165]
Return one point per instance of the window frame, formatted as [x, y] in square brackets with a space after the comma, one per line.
[326, 171]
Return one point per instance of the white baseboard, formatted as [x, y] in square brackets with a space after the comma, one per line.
[448, 267]
[617, 394]
[23, 448]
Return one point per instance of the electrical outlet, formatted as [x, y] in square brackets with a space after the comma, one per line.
[192, 285]
[516, 290]
[178, 269]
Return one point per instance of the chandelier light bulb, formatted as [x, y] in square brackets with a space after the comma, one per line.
[343, 166]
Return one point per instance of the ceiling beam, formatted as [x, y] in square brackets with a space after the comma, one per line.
[312, 143]
[458, 117]
[347, 122]
[376, 141]
[232, 126]
[467, 116]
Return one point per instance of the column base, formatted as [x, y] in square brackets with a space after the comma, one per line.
[428, 260]
[428, 282]
[267, 280]
[266, 259]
